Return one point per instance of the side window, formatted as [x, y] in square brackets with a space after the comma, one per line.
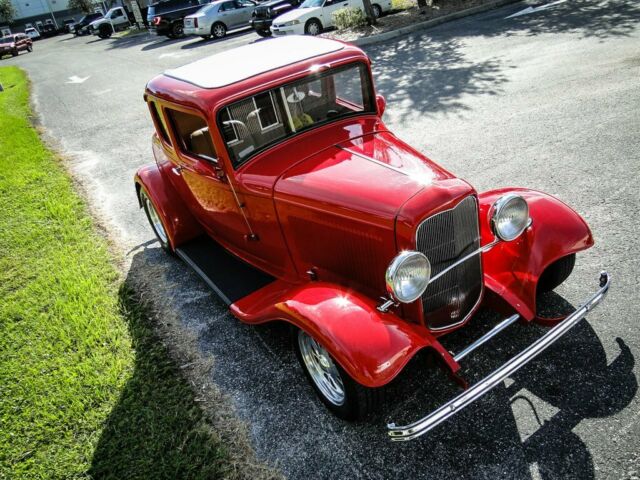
[349, 88]
[161, 127]
[226, 6]
[193, 134]
[266, 110]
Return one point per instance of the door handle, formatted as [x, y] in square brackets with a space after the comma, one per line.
[177, 170]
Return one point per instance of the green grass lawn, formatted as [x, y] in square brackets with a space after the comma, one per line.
[86, 389]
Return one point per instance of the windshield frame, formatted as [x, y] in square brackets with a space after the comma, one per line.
[369, 108]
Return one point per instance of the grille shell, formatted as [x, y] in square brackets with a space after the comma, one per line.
[445, 238]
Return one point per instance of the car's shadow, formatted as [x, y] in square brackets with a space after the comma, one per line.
[255, 366]
[197, 42]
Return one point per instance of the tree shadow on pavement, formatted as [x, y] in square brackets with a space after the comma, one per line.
[428, 72]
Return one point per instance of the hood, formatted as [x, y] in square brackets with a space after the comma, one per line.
[297, 14]
[374, 174]
[96, 21]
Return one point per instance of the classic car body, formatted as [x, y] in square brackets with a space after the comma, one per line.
[277, 151]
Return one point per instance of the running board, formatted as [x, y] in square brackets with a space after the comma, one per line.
[227, 275]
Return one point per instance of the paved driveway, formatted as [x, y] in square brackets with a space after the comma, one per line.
[548, 100]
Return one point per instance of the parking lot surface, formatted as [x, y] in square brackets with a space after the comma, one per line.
[547, 100]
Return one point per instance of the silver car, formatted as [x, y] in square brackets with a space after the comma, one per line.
[218, 17]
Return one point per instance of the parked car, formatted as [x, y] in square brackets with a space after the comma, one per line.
[217, 18]
[82, 27]
[264, 14]
[167, 17]
[67, 24]
[14, 44]
[114, 20]
[313, 16]
[277, 180]
[48, 30]
[32, 33]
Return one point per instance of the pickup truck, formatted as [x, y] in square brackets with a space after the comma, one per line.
[114, 20]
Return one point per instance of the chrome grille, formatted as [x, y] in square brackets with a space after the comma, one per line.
[445, 238]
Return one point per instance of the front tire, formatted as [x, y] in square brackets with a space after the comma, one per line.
[313, 27]
[218, 30]
[264, 33]
[344, 397]
[15, 53]
[377, 10]
[556, 273]
[154, 220]
[105, 31]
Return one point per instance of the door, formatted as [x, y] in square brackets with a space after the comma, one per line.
[199, 179]
[245, 8]
[229, 14]
[329, 7]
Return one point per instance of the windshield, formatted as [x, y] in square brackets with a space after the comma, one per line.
[251, 125]
[311, 3]
[6, 40]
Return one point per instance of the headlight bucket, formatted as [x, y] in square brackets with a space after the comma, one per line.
[407, 276]
[509, 217]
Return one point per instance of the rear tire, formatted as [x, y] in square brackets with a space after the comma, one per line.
[218, 30]
[29, 48]
[177, 30]
[15, 52]
[556, 273]
[264, 33]
[154, 220]
[377, 10]
[343, 396]
[313, 27]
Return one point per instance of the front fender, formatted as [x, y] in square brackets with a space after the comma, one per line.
[371, 346]
[178, 221]
[512, 269]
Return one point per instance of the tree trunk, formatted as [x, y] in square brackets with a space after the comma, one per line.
[368, 12]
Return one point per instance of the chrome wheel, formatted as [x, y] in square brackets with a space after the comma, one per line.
[313, 28]
[377, 11]
[154, 218]
[322, 369]
[219, 30]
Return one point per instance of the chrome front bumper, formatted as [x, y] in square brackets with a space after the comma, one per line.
[422, 426]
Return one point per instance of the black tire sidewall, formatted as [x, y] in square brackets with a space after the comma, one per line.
[163, 244]
[309, 23]
[213, 34]
[378, 8]
[350, 408]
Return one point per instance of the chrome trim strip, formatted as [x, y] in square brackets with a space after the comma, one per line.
[367, 157]
[484, 249]
[422, 426]
[486, 337]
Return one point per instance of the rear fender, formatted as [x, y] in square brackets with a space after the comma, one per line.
[178, 221]
[371, 346]
[512, 269]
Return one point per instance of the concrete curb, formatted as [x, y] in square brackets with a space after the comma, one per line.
[430, 23]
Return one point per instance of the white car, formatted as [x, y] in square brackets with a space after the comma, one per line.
[313, 16]
[32, 33]
[218, 17]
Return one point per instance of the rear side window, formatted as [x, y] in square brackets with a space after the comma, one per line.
[158, 120]
[193, 134]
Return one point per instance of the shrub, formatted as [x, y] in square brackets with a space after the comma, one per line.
[402, 4]
[349, 17]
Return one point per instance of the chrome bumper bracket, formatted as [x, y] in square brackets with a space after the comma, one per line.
[422, 426]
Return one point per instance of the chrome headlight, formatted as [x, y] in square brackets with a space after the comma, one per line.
[509, 217]
[407, 276]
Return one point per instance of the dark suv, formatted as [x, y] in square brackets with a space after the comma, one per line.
[264, 14]
[81, 28]
[167, 17]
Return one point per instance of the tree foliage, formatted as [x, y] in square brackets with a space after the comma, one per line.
[7, 11]
[85, 6]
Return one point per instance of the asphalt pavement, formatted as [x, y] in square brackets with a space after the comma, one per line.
[548, 100]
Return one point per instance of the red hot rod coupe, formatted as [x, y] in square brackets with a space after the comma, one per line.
[278, 182]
